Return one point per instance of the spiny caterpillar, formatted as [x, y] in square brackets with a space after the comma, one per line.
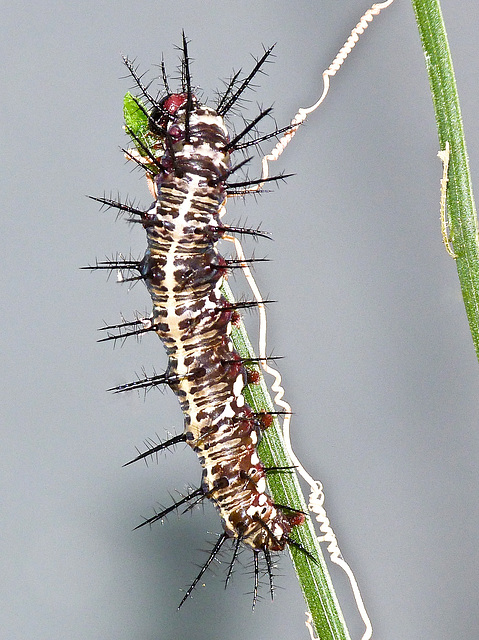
[186, 151]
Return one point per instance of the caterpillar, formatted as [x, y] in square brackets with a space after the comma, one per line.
[187, 152]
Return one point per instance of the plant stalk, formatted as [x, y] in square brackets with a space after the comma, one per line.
[460, 200]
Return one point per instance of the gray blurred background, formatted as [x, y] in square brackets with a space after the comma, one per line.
[380, 367]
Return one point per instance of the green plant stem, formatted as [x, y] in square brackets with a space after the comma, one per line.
[313, 576]
[460, 201]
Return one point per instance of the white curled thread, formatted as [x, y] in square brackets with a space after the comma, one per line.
[316, 497]
[331, 71]
[445, 225]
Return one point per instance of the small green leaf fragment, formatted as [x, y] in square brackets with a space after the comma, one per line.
[136, 119]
